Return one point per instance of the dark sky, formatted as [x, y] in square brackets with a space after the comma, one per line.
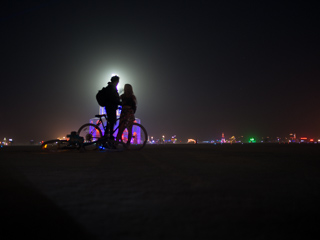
[198, 68]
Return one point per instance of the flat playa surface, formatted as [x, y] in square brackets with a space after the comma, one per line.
[250, 191]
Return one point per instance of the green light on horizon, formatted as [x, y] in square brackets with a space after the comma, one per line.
[252, 140]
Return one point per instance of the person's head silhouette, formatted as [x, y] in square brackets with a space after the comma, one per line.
[128, 90]
[115, 80]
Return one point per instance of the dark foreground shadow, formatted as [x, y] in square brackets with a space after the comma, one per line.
[26, 213]
[258, 192]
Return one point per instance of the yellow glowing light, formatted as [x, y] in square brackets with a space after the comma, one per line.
[190, 140]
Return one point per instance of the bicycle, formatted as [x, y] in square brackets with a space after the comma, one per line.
[133, 137]
[74, 142]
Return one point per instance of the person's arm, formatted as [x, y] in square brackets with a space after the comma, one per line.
[115, 98]
[134, 105]
[118, 101]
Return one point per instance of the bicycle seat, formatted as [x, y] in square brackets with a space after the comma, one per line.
[99, 116]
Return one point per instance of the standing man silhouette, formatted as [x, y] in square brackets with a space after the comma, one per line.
[112, 104]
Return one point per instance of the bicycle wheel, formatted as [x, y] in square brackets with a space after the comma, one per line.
[134, 136]
[51, 145]
[91, 133]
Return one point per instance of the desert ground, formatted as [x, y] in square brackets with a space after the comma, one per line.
[202, 191]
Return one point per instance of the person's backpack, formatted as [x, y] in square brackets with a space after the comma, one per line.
[103, 96]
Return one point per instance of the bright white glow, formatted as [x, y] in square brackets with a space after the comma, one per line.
[124, 73]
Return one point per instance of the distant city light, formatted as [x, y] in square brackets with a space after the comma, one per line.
[190, 140]
[6, 142]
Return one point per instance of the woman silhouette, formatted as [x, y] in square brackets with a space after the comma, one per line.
[129, 107]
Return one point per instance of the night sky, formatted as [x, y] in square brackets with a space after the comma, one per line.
[198, 68]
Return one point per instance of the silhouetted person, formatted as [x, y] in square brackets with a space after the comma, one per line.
[112, 104]
[129, 107]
